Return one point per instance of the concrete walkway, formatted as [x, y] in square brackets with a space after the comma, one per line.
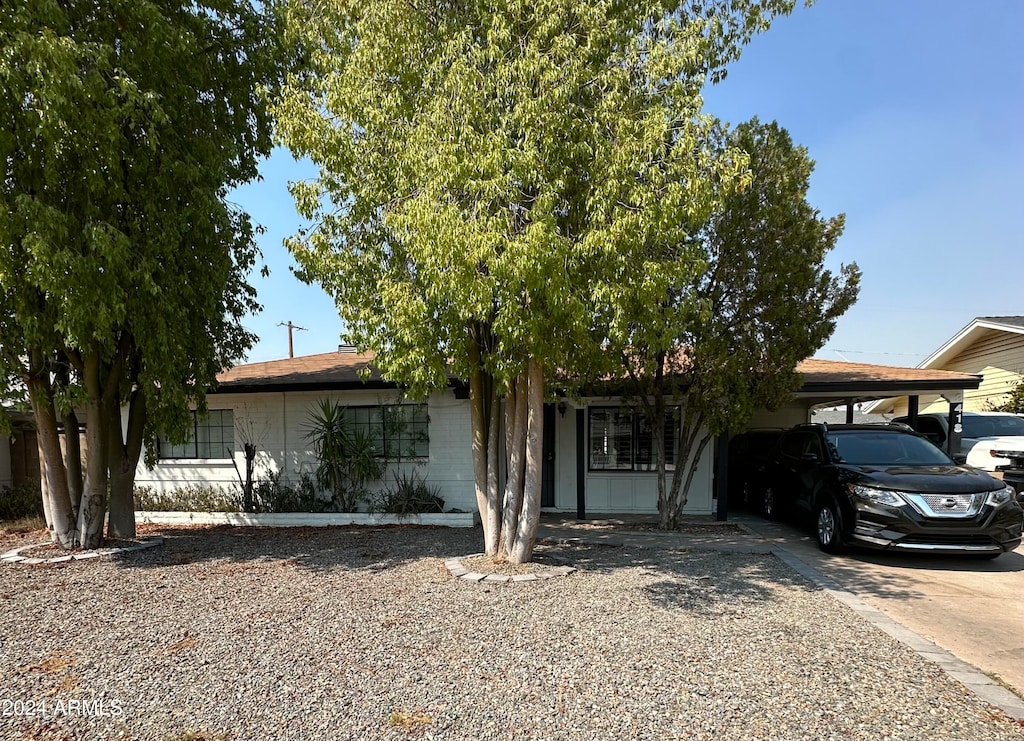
[964, 633]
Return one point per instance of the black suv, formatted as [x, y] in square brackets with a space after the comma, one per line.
[885, 486]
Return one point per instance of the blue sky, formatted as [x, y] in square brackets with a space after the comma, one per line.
[913, 111]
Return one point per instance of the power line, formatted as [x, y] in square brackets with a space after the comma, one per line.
[878, 352]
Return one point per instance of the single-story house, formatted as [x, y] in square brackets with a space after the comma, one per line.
[597, 453]
[989, 346]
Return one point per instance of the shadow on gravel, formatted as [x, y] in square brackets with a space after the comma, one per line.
[316, 549]
[699, 582]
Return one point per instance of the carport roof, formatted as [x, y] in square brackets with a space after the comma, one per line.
[833, 375]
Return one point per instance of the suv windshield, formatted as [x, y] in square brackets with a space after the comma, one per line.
[995, 425]
[884, 448]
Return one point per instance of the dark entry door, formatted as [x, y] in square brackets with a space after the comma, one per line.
[547, 486]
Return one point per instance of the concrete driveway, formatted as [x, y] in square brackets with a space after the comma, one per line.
[973, 609]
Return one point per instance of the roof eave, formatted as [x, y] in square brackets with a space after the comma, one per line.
[966, 336]
[890, 388]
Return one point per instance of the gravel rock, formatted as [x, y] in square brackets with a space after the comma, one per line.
[363, 634]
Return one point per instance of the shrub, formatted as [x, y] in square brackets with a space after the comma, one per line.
[23, 500]
[271, 494]
[190, 498]
[410, 495]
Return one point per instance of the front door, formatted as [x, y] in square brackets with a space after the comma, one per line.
[547, 484]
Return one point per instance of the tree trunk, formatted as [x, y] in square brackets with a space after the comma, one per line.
[480, 409]
[689, 428]
[73, 453]
[529, 518]
[62, 521]
[515, 449]
[123, 455]
[94, 496]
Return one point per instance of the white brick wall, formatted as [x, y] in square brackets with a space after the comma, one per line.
[278, 423]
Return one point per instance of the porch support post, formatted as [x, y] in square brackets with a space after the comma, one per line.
[722, 476]
[955, 421]
[913, 404]
[581, 466]
[849, 411]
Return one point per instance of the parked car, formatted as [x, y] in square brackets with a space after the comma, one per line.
[887, 487]
[992, 441]
[749, 453]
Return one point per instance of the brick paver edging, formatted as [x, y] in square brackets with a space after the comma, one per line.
[15, 557]
[456, 569]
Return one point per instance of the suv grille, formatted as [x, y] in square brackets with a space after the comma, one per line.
[946, 505]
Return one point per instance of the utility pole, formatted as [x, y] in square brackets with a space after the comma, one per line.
[291, 349]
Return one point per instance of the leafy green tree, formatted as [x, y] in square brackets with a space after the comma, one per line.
[123, 268]
[1013, 401]
[723, 341]
[485, 170]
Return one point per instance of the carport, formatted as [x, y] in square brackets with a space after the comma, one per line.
[828, 383]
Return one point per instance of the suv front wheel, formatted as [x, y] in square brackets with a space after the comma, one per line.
[829, 526]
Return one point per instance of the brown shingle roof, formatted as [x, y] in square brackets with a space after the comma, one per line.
[819, 373]
[341, 370]
[330, 370]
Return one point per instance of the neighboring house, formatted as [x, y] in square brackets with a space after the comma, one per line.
[991, 347]
[597, 451]
[838, 416]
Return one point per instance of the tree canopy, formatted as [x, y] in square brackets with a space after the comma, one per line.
[726, 342]
[486, 170]
[123, 267]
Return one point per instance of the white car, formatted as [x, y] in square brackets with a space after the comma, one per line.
[990, 440]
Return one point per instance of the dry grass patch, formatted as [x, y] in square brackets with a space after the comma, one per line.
[413, 723]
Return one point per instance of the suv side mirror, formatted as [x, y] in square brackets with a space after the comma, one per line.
[960, 459]
[810, 457]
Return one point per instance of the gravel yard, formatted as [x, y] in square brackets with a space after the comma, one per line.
[363, 634]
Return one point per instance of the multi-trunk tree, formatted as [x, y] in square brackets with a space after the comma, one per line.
[485, 169]
[123, 267]
[704, 351]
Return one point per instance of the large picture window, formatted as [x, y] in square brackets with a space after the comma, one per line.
[212, 437]
[395, 431]
[622, 439]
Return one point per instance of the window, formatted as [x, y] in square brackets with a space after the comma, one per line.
[395, 431]
[622, 439]
[212, 437]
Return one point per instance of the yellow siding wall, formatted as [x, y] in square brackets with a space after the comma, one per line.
[998, 356]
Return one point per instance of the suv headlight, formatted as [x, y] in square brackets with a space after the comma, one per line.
[877, 496]
[1000, 496]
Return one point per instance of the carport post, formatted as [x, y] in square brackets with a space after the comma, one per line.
[956, 427]
[913, 404]
[849, 411]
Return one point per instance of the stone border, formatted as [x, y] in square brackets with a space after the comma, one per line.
[307, 519]
[456, 569]
[14, 556]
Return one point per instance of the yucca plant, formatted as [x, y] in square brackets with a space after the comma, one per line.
[346, 458]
